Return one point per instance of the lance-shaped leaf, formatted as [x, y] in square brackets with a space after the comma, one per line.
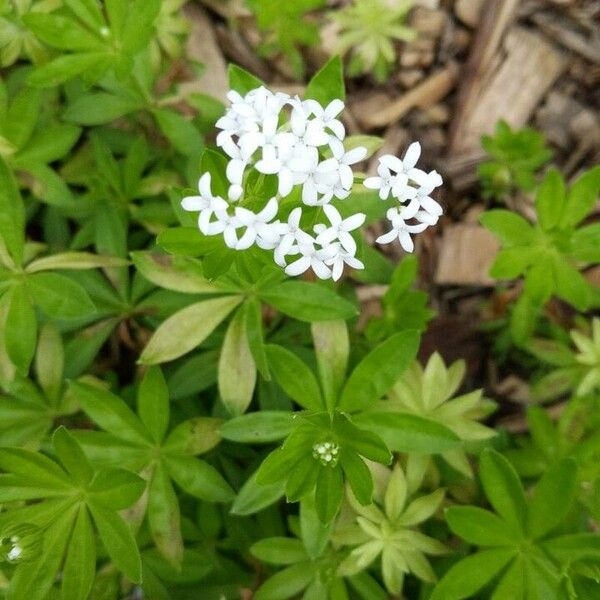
[237, 369]
[379, 370]
[186, 329]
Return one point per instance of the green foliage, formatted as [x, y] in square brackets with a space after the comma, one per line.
[161, 394]
[286, 26]
[550, 253]
[515, 157]
[576, 370]
[390, 531]
[369, 30]
[519, 540]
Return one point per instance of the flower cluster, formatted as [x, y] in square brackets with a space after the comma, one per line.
[300, 142]
[410, 185]
[326, 453]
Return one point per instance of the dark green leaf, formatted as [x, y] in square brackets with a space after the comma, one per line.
[409, 433]
[58, 296]
[308, 301]
[470, 574]
[199, 479]
[328, 83]
[294, 377]
[258, 427]
[503, 489]
[118, 541]
[153, 403]
[329, 492]
[379, 370]
[552, 498]
[79, 570]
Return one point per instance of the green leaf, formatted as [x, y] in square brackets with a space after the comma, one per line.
[332, 347]
[87, 11]
[61, 32]
[71, 456]
[79, 570]
[478, 526]
[409, 433]
[241, 81]
[36, 467]
[294, 377]
[550, 200]
[315, 534]
[510, 227]
[237, 369]
[12, 214]
[358, 475]
[254, 333]
[582, 197]
[194, 436]
[164, 517]
[469, 575]
[33, 579]
[366, 443]
[67, 67]
[116, 488]
[503, 489]
[180, 274]
[308, 301]
[571, 285]
[186, 329]
[379, 370]
[258, 427]
[329, 493]
[58, 296]
[97, 108]
[254, 497]
[328, 83]
[552, 498]
[301, 481]
[279, 551]
[20, 332]
[74, 260]
[111, 413]
[49, 362]
[153, 403]
[139, 25]
[48, 145]
[286, 583]
[573, 547]
[118, 541]
[179, 131]
[199, 479]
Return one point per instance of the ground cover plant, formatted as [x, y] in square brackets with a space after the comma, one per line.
[195, 401]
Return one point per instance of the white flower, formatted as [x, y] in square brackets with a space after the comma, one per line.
[312, 258]
[383, 182]
[400, 230]
[340, 229]
[340, 259]
[257, 226]
[206, 204]
[326, 117]
[308, 132]
[290, 235]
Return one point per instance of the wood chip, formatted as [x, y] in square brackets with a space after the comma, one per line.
[426, 94]
[202, 46]
[512, 92]
[428, 23]
[557, 27]
[466, 254]
[468, 11]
